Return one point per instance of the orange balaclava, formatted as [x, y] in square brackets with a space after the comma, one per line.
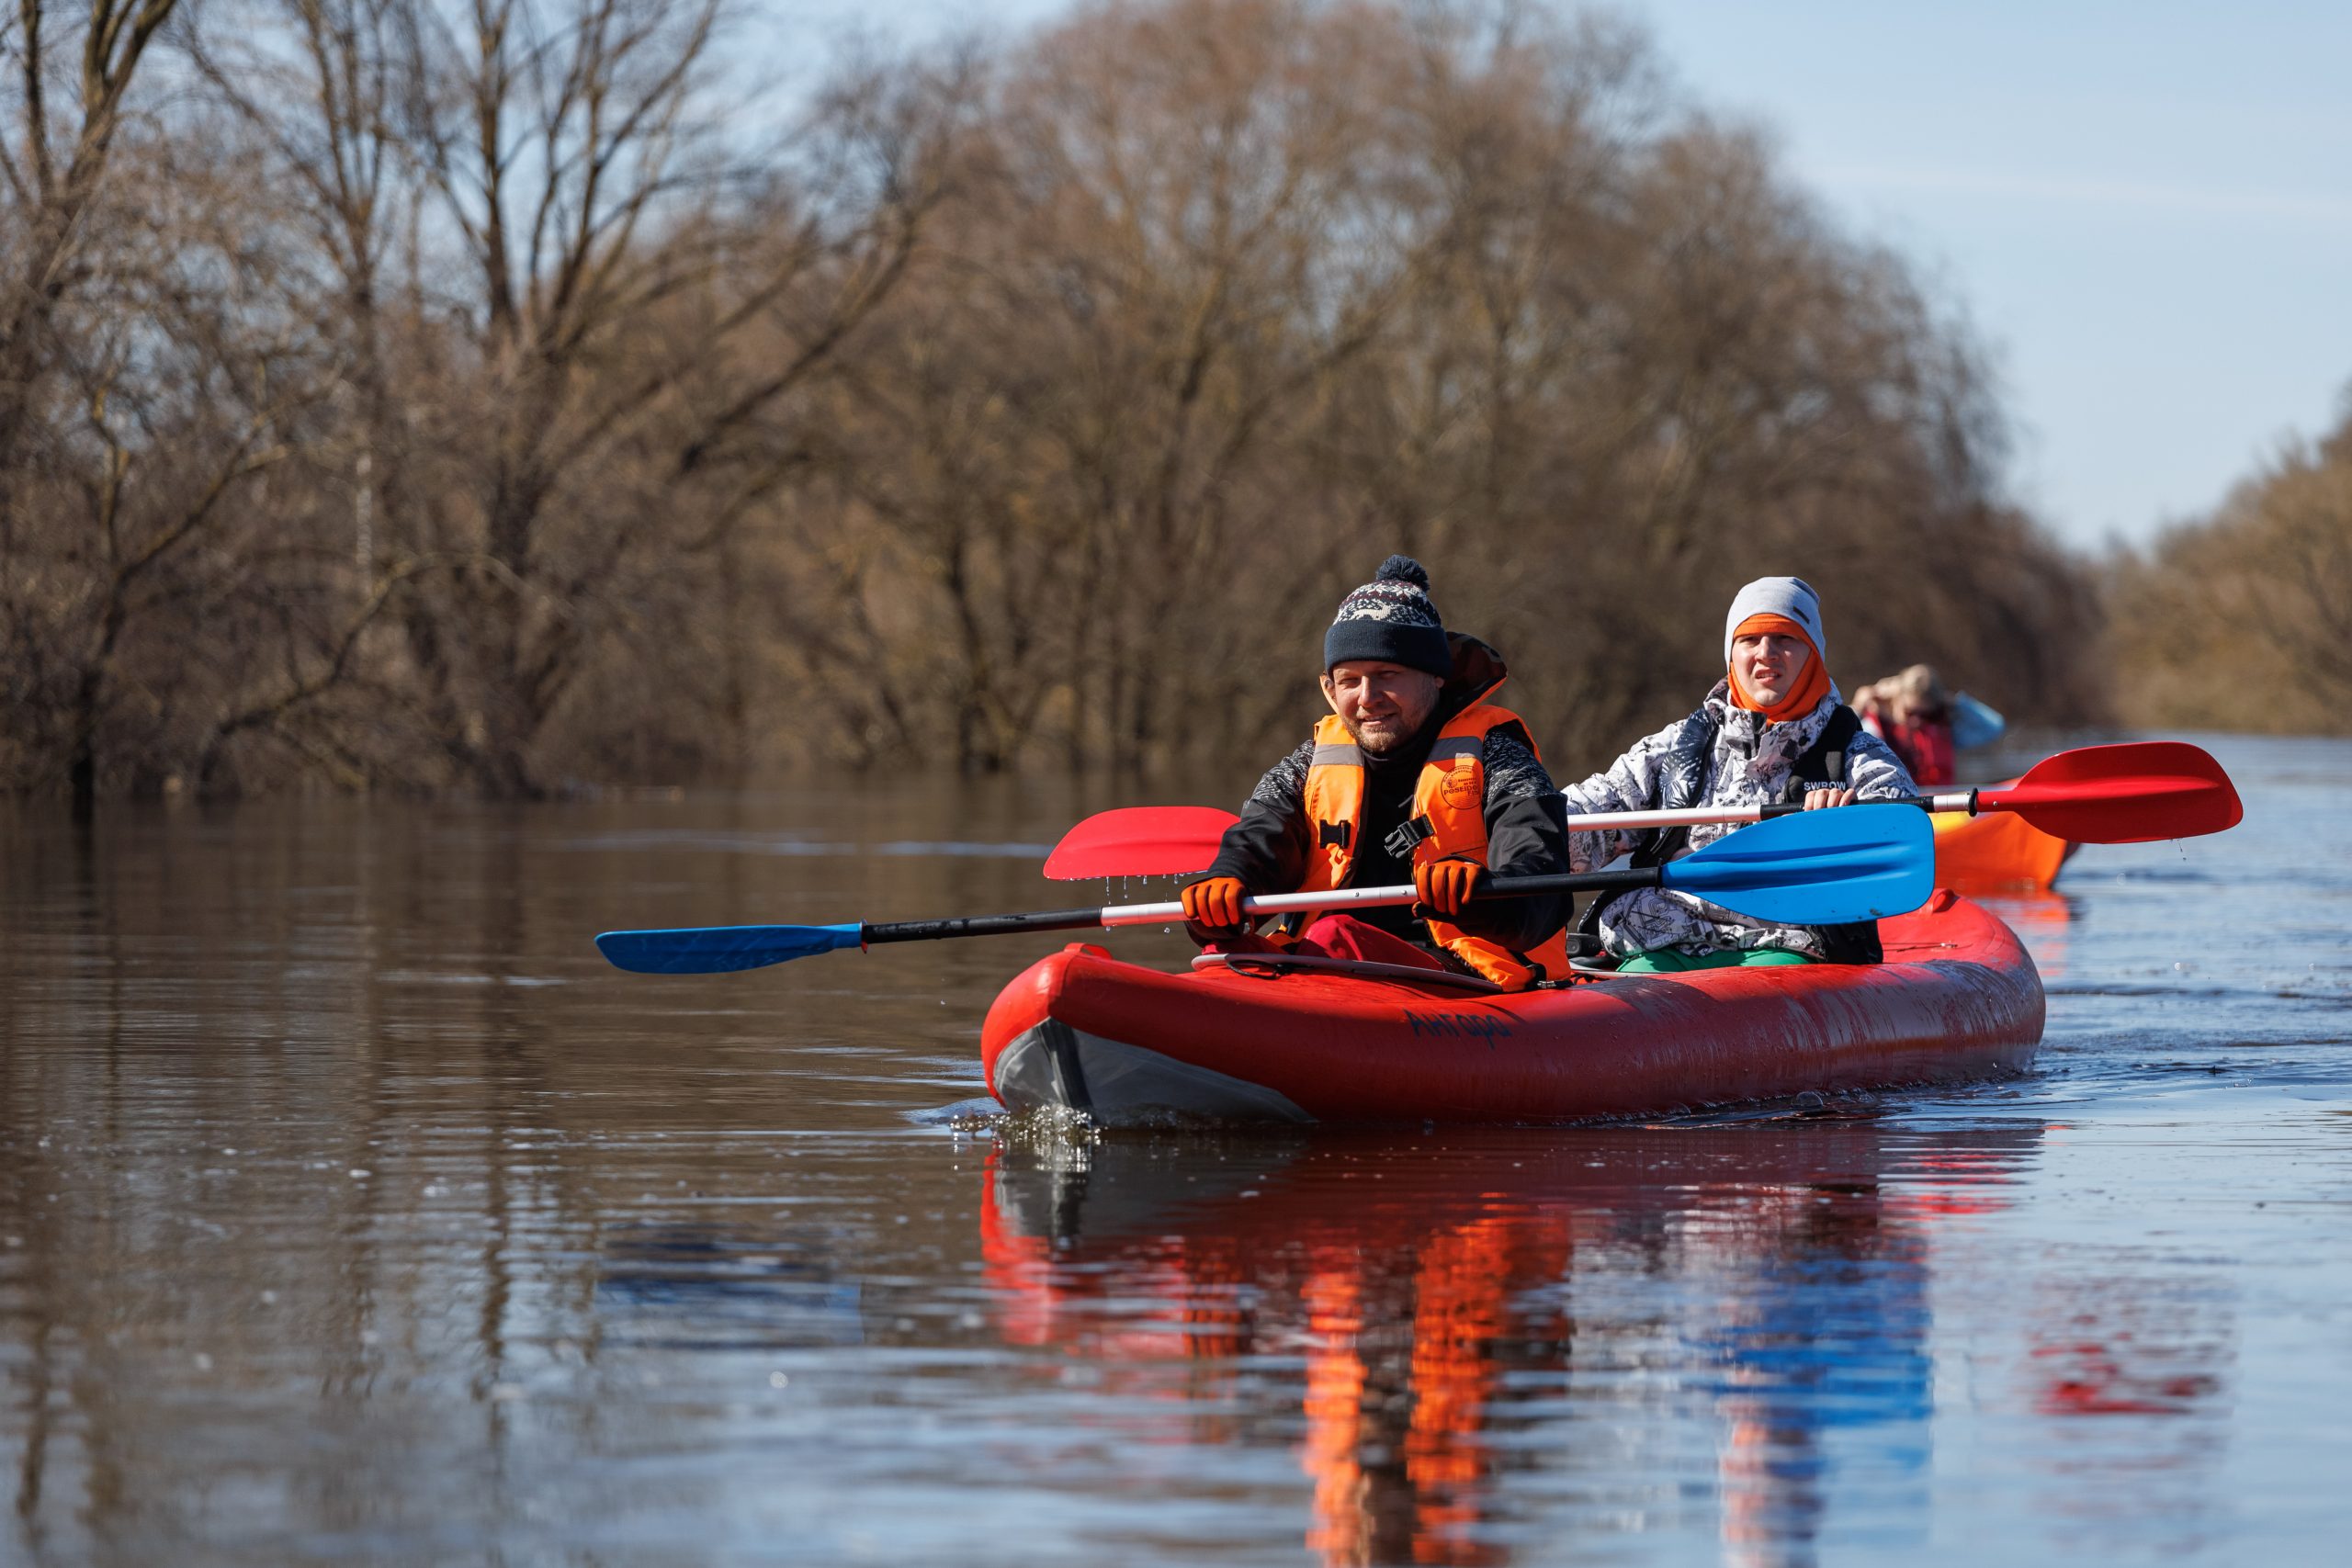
[1813, 681]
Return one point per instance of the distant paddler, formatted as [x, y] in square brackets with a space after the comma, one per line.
[1772, 731]
[1916, 718]
[1414, 776]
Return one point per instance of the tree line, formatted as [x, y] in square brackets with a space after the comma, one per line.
[2243, 620]
[509, 395]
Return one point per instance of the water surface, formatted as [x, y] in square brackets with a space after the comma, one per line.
[353, 1212]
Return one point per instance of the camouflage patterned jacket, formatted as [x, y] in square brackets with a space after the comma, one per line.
[1721, 755]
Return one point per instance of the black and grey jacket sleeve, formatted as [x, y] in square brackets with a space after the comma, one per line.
[1268, 848]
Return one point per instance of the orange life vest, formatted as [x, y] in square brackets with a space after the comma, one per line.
[1450, 798]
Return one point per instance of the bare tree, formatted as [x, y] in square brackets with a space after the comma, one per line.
[473, 393]
[1250, 292]
[54, 162]
[539, 399]
[2241, 621]
[153, 376]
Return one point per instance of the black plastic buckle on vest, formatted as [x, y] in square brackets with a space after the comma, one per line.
[1335, 835]
[1406, 837]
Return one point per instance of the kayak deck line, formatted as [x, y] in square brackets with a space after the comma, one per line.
[1131, 1045]
[1272, 964]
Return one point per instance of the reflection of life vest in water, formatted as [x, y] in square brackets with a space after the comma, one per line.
[1406, 1328]
[1449, 822]
[1458, 1286]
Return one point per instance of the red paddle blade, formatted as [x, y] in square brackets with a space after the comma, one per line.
[2123, 794]
[1140, 840]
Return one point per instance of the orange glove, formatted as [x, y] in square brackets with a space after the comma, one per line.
[1215, 905]
[1444, 886]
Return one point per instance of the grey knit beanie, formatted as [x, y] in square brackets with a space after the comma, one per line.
[1791, 596]
[1391, 619]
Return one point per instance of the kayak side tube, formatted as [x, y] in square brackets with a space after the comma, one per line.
[1958, 999]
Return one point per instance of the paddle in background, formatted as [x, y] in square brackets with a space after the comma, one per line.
[2125, 794]
[1817, 868]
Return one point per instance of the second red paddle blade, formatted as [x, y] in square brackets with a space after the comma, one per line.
[1140, 840]
[2123, 794]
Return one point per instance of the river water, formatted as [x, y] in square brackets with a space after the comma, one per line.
[353, 1212]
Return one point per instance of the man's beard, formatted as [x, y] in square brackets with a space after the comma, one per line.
[1390, 745]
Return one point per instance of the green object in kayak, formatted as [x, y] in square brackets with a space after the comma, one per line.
[1674, 961]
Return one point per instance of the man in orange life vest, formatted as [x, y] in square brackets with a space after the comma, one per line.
[1413, 777]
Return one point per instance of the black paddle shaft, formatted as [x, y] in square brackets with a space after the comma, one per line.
[1791, 807]
[980, 925]
[1625, 881]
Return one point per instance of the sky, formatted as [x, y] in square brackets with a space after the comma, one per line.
[2143, 211]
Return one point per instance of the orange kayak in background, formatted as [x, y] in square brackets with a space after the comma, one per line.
[1997, 849]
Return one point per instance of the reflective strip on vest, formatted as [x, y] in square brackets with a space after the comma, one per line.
[1349, 755]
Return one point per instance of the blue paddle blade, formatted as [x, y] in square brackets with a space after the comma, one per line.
[719, 950]
[1817, 868]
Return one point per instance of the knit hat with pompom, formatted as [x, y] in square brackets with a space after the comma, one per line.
[1391, 619]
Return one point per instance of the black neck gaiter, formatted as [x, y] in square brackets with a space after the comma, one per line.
[1388, 785]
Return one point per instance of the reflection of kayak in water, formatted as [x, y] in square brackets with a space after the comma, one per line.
[1112, 1251]
[1409, 1315]
[1251, 1192]
[1255, 1040]
[1996, 851]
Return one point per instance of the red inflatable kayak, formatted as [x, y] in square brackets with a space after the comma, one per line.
[1252, 1038]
